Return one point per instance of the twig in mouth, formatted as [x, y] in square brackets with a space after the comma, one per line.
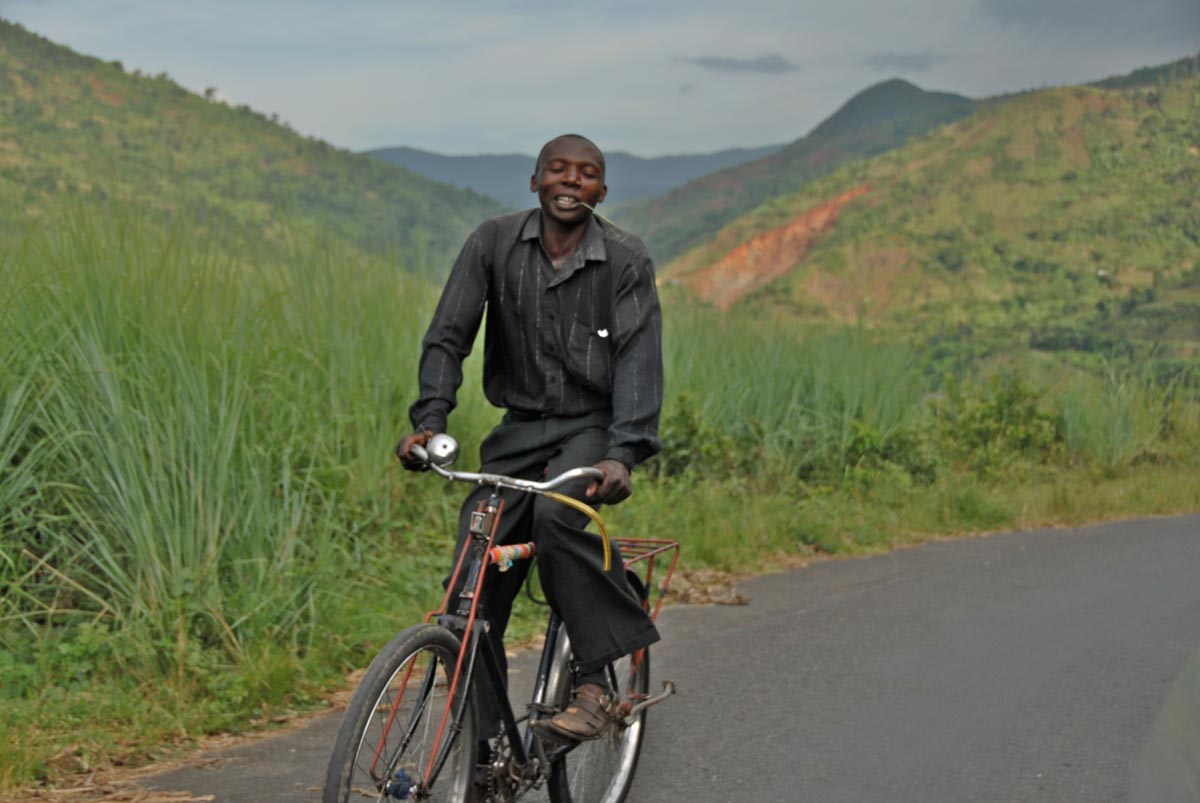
[592, 209]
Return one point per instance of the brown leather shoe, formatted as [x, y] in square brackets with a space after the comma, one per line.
[587, 716]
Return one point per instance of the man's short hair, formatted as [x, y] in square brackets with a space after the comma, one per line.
[541, 157]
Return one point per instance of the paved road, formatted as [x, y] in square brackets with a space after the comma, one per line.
[1057, 665]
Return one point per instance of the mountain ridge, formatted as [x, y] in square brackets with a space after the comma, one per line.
[505, 177]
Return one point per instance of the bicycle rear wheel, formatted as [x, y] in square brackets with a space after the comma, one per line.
[600, 770]
[389, 732]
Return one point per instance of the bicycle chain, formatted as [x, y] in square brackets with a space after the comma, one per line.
[502, 786]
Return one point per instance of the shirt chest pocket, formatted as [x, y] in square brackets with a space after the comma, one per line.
[589, 356]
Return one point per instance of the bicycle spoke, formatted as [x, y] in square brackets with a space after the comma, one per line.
[428, 687]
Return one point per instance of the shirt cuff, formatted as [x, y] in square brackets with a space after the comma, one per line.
[434, 424]
[621, 455]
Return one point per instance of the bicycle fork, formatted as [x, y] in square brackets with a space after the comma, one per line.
[483, 525]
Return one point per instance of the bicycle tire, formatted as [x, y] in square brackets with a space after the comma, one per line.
[404, 692]
[600, 770]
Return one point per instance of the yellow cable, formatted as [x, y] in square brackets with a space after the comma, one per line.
[591, 514]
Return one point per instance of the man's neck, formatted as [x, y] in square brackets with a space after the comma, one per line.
[561, 241]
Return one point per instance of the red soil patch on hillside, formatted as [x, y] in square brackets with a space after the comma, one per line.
[873, 285]
[768, 256]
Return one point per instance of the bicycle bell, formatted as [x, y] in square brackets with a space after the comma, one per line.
[442, 449]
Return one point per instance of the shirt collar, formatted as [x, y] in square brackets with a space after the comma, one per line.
[591, 247]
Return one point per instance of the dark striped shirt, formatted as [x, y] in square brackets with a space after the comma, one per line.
[550, 348]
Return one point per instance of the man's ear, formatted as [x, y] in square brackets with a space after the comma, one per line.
[533, 187]
[603, 195]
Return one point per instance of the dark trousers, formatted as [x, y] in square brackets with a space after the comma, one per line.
[602, 614]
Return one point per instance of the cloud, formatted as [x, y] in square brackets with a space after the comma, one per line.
[1117, 18]
[772, 63]
[903, 62]
[687, 88]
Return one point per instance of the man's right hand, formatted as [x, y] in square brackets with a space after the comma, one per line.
[404, 450]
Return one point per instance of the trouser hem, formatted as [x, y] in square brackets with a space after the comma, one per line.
[633, 644]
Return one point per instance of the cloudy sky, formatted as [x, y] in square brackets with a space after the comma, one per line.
[647, 76]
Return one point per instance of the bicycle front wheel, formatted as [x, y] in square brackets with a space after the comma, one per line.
[600, 770]
[389, 734]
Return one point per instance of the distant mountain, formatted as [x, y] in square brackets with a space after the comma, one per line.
[879, 118]
[505, 177]
[71, 125]
[1063, 219]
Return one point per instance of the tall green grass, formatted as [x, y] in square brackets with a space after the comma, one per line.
[811, 401]
[1123, 416]
[196, 462]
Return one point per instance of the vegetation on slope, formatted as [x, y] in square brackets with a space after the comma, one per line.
[1151, 76]
[877, 119]
[74, 125]
[1062, 220]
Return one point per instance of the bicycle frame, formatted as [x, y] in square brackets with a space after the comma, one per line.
[482, 530]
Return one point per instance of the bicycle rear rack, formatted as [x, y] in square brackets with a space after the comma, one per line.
[644, 551]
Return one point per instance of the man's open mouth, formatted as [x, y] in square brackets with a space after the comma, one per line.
[566, 202]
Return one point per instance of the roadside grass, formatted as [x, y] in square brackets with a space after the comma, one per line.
[203, 529]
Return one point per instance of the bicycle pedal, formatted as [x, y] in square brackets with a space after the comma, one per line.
[668, 690]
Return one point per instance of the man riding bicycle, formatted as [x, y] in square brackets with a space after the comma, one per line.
[573, 353]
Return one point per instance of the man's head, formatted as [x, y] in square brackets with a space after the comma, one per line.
[569, 178]
[579, 139]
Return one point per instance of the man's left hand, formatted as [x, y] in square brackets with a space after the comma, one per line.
[616, 485]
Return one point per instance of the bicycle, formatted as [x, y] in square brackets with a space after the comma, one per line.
[409, 732]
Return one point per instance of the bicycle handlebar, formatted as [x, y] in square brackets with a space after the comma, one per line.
[502, 481]
[443, 449]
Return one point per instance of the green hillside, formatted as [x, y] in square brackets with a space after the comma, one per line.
[71, 125]
[877, 119]
[1061, 219]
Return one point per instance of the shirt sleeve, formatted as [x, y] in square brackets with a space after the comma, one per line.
[637, 364]
[451, 334]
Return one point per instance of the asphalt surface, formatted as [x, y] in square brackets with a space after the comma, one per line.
[1059, 665]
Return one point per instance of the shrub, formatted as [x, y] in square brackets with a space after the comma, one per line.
[993, 425]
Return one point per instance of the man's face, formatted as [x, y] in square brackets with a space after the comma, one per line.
[572, 172]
